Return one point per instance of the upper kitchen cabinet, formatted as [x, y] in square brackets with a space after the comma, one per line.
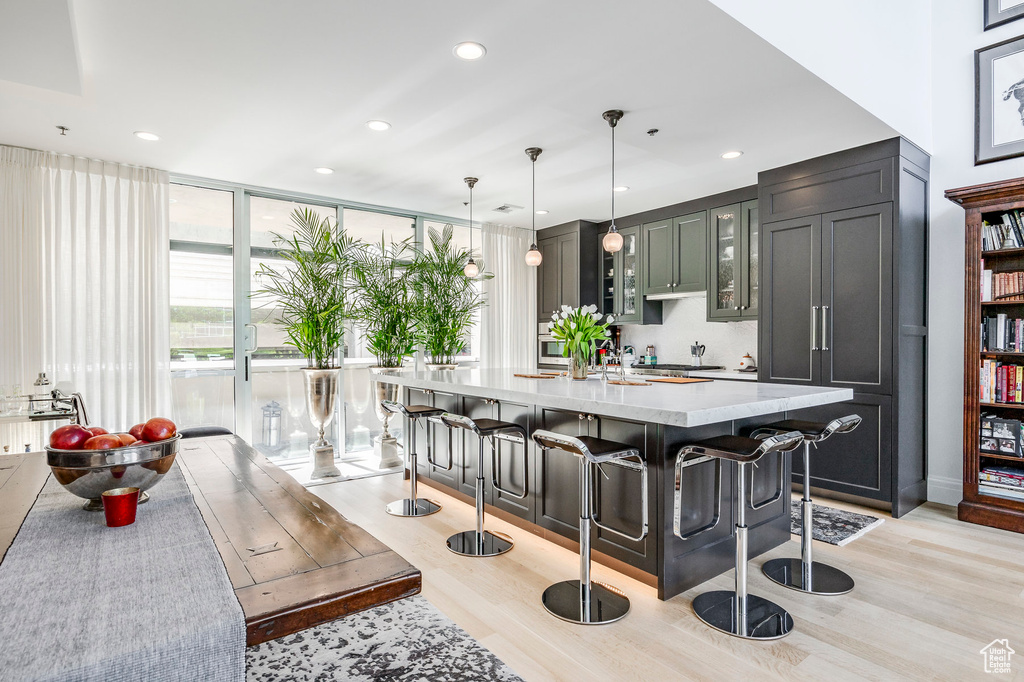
[568, 273]
[622, 282]
[732, 239]
[673, 256]
[844, 243]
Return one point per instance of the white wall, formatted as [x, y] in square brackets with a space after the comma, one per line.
[685, 321]
[876, 52]
[956, 33]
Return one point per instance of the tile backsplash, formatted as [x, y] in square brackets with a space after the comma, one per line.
[685, 321]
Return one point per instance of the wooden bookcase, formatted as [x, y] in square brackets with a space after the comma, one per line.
[987, 505]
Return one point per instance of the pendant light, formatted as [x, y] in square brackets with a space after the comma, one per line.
[612, 241]
[534, 256]
[471, 270]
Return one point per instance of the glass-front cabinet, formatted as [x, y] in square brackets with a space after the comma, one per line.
[733, 262]
[622, 292]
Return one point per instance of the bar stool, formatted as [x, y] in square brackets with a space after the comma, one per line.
[585, 601]
[735, 612]
[479, 542]
[805, 574]
[414, 506]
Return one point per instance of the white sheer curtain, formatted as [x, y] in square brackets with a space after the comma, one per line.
[509, 320]
[84, 252]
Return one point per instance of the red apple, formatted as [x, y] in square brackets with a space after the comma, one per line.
[104, 441]
[137, 431]
[158, 428]
[69, 437]
[97, 430]
[127, 438]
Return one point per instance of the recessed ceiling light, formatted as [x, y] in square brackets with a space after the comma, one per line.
[469, 51]
[542, 212]
[143, 135]
[732, 155]
[378, 125]
[268, 217]
[621, 188]
[324, 171]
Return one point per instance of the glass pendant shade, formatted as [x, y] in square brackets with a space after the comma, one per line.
[612, 241]
[471, 270]
[533, 256]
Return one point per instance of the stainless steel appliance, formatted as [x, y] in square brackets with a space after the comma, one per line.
[696, 353]
[549, 352]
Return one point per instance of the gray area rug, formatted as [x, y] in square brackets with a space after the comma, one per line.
[834, 526]
[404, 640]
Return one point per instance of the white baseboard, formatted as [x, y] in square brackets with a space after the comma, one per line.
[949, 491]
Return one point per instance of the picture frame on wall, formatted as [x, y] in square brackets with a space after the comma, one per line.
[999, 101]
[999, 12]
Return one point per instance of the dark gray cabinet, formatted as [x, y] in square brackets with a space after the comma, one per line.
[442, 446]
[568, 273]
[673, 255]
[732, 262]
[844, 246]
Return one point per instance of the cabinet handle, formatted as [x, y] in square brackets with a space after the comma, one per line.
[590, 417]
[581, 416]
[428, 391]
[814, 327]
[744, 307]
[824, 327]
[735, 307]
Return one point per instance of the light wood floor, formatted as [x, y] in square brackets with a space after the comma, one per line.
[931, 592]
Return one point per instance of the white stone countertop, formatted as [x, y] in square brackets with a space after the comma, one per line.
[685, 405]
[730, 374]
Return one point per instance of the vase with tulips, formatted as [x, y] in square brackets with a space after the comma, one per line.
[579, 330]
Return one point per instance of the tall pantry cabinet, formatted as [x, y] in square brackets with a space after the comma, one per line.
[844, 248]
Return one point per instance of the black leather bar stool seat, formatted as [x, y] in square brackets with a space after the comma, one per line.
[735, 612]
[413, 506]
[585, 601]
[805, 574]
[480, 542]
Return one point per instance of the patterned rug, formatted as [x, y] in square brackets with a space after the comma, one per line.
[404, 640]
[834, 526]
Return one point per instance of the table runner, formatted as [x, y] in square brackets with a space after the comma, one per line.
[150, 601]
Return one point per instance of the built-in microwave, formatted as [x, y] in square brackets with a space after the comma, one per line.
[549, 351]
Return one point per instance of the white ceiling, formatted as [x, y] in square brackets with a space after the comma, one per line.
[263, 91]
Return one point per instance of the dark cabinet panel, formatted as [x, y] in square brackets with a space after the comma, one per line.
[750, 251]
[730, 288]
[792, 301]
[557, 476]
[474, 408]
[856, 299]
[856, 463]
[569, 270]
[690, 251]
[548, 278]
[510, 463]
[444, 443]
[659, 261]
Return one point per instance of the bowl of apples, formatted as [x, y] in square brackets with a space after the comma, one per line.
[88, 461]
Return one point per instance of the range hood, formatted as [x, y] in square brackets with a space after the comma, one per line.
[681, 294]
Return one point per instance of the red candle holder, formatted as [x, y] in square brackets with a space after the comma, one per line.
[119, 506]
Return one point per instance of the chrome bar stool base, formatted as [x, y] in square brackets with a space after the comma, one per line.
[606, 604]
[488, 543]
[417, 507]
[825, 579]
[765, 619]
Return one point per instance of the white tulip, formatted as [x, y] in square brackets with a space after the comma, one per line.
[596, 317]
[592, 308]
[566, 309]
[554, 316]
[610, 319]
[572, 325]
[551, 325]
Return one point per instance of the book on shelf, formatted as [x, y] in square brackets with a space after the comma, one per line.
[1003, 476]
[1002, 333]
[1002, 286]
[1000, 383]
[1004, 231]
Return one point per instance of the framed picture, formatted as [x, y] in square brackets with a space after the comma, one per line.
[999, 101]
[998, 12]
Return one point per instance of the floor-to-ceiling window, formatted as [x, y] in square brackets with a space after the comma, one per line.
[230, 363]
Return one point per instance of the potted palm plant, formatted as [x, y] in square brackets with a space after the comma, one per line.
[447, 299]
[308, 291]
[384, 303]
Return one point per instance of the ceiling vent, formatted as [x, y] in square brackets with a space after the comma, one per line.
[508, 208]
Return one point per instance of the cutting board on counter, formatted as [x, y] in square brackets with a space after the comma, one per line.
[677, 380]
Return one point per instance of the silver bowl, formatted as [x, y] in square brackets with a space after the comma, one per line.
[88, 473]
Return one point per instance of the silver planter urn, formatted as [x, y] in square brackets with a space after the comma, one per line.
[321, 392]
[387, 446]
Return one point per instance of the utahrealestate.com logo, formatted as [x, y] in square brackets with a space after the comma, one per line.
[997, 656]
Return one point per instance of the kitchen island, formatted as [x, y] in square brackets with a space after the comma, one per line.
[657, 419]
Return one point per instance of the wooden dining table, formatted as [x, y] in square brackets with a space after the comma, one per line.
[293, 560]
